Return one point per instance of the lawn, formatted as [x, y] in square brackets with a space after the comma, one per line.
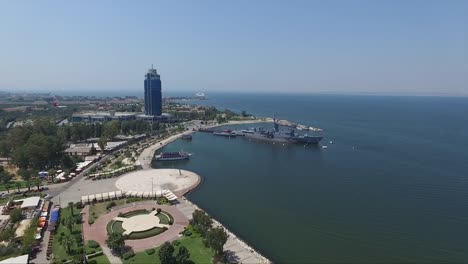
[13, 186]
[58, 249]
[99, 209]
[198, 252]
[99, 259]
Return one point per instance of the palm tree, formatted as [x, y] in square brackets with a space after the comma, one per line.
[28, 184]
[68, 242]
[37, 182]
[7, 186]
[18, 185]
[69, 222]
[70, 204]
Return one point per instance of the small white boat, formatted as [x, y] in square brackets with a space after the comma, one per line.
[324, 147]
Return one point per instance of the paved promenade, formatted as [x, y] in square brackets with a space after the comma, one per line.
[98, 230]
[146, 156]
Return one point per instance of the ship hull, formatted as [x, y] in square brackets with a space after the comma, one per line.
[289, 140]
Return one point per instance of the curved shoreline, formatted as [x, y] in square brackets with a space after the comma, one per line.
[145, 160]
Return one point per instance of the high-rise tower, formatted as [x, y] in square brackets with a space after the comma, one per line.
[153, 98]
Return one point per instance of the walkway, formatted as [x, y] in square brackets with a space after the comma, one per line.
[98, 230]
[146, 156]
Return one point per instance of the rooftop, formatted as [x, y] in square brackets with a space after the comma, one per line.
[29, 202]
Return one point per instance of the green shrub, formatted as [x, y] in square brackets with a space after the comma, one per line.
[110, 205]
[91, 221]
[158, 210]
[187, 233]
[93, 244]
[128, 255]
[150, 251]
[92, 261]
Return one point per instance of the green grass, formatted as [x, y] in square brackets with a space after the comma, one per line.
[99, 209]
[13, 187]
[116, 226]
[198, 252]
[163, 219]
[58, 249]
[102, 259]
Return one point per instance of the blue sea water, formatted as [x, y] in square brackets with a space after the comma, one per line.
[393, 187]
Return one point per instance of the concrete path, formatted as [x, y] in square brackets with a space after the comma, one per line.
[113, 259]
[146, 156]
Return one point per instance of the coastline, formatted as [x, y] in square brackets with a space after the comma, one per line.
[234, 241]
[233, 238]
[147, 154]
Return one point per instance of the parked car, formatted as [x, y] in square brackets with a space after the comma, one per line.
[48, 197]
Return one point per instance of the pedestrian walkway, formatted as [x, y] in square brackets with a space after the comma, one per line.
[98, 230]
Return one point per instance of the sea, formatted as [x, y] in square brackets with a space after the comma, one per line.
[392, 186]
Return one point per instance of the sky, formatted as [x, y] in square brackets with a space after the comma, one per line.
[359, 46]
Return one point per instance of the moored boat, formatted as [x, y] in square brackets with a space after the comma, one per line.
[168, 156]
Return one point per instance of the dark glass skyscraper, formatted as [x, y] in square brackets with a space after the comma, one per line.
[153, 98]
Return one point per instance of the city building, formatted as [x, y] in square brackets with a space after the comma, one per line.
[101, 117]
[153, 97]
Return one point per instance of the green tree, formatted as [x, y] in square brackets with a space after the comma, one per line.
[201, 221]
[93, 150]
[37, 182]
[102, 143]
[215, 239]
[68, 242]
[69, 223]
[16, 215]
[116, 242]
[165, 253]
[70, 205]
[6, 177]
[18, 185]
[29, 184]
[183, 255]
[111, 129]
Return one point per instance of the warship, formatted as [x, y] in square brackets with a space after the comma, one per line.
[288, 136]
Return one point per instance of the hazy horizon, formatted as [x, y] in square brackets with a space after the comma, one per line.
[414, 48]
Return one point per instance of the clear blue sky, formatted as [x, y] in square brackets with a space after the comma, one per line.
[383, 47]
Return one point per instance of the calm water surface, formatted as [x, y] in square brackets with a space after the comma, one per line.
[392, 188]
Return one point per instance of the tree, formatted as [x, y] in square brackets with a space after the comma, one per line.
[68, 222]
[37, 182]
[165, 253]
[201, 221]
[29, 184]
[183, 255]
[116, 242]
[68, 242]
[6, 179]
[18, 185]
[70, 205]
[16, 215]
[215, 239]
[93, 150]
[102, 143]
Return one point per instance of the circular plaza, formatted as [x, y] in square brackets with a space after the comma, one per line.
[153, 180]
[141, 223]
